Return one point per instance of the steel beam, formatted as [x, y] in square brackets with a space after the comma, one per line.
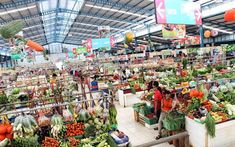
[129, 7]
[58, 34]
[6, 5]
[99, 17]
[75, 30]
[74, 12]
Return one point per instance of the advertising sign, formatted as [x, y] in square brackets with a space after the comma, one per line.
[187, 41]
[178, 12]
[173, 31]
[101, 43]
[81, 50]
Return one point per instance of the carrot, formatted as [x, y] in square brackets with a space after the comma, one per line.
[35, 46]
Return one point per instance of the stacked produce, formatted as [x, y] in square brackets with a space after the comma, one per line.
[6, 130]
[50, 142]
[205, 92]
[24, 125]
[74, 129]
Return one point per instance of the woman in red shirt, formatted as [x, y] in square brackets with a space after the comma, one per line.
[157, 99]
[167, 104]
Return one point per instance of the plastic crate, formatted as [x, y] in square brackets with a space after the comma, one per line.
[151, 108]
[136, 109]
[150, 121]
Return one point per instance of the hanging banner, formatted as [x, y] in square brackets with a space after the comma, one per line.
[15, 56]
[187, 41]
[112, 41]
[81, 50]
[173, 31]
[70, 55]
[87, 44]
[178, 12]
[101, 43]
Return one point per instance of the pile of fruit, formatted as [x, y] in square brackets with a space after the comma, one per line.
[50, 142]
[219, 116]
[75, 129]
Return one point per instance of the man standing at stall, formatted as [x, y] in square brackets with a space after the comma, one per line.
[157, 100]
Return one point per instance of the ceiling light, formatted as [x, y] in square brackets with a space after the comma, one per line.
[217, 29]
[116, 10]
[16, 10]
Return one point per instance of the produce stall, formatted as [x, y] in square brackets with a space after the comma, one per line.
[224, 136]
[204, 95]
[126, 98]
[60, 115]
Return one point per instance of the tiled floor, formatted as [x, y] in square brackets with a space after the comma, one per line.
[137, 133]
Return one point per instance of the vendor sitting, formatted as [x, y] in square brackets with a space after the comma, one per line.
[167, 105]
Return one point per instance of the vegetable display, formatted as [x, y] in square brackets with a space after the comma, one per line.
[173, 121]
[210, 125]
[26, 142]
[24, 125]
[50, 142]
[75, 129]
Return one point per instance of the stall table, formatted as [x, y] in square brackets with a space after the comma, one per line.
[198, 136]
[126, 98]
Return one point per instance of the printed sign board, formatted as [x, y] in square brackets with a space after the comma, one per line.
[178, 12]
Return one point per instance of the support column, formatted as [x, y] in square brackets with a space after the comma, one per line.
[201, 36]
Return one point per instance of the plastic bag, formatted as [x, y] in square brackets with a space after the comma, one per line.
[67, 115]
[43, 120]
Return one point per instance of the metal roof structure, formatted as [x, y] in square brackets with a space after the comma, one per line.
[71, 21]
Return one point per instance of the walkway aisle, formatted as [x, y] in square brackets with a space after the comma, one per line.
[137, 133]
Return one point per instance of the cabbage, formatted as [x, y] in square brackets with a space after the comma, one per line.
[214, 89]
[229, 86]
[233, 84]
[223, 88]
[16, 91]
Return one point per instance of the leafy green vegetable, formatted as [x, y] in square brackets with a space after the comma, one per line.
[210, 125]
[111, 142]
[112, 115]
[220, 66]
[3, 98]
[195, 104]
[185, 62]
[133, 91]
[173, 121]
[90, 131]
[26, 142]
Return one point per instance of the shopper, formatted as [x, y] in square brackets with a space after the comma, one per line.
[167, 105]
[150, 85]
[157, 99]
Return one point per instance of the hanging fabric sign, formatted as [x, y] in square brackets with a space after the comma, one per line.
[178, 12]
[173, 31]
